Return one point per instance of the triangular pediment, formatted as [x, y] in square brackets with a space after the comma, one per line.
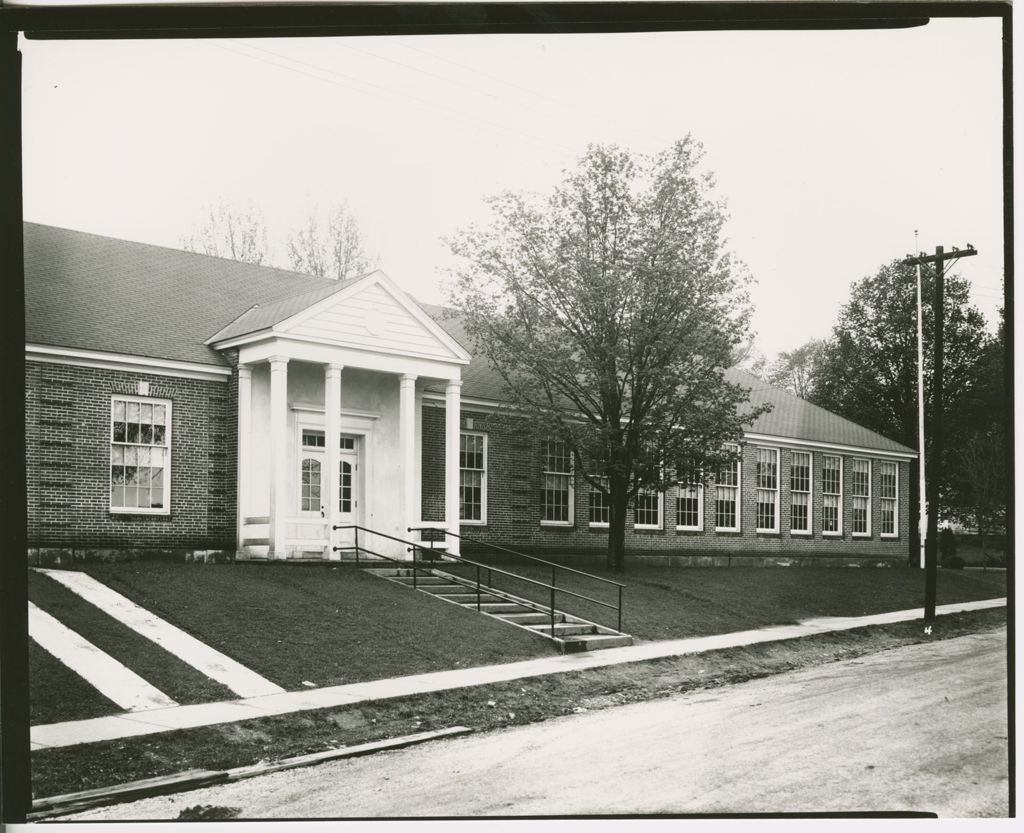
[373, 314]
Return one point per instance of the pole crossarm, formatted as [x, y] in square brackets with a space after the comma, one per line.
[939, 257]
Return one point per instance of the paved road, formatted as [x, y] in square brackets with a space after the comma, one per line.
[918, 728]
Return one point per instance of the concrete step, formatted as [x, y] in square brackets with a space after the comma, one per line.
[255, 542]
[422, 579]
[594, 642]
[564, 628]
[450, 590]
[469, 598]
[500, 607]
[532, 618]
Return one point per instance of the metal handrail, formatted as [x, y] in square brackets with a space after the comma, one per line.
[514, 552]
[418, 545]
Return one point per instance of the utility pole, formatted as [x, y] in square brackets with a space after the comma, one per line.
[935, 464]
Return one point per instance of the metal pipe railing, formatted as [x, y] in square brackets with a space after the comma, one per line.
[512, 552]
[552, 588]
[554, 567]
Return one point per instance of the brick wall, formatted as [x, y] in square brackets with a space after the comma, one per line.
[513, 510]
[67, 420]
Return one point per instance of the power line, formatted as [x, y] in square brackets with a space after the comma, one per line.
[503, 129]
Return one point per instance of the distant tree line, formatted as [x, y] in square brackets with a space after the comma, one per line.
[326, 244]
[866, 370]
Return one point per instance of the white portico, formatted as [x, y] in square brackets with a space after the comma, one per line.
[329, 429]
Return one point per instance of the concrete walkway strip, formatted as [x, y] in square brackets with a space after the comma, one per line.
[209, 714]
[241, 680]
[100, 670]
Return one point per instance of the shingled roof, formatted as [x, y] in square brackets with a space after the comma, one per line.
[88, 292]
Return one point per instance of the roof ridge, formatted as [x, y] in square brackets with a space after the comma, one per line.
[808, 402]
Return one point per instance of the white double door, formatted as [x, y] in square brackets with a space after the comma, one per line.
[312, 493]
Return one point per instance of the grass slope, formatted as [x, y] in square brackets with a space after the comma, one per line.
[178, 680]
[315, 623]
[487, 707]
[678, 602]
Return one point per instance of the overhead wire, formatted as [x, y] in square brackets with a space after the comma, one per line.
[500, 128]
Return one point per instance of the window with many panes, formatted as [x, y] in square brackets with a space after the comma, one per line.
[346, 477]
[140, 455]
[831, 495]
[600, 513]
[727, 497]
[556, 483]
[887, 497]
[767, 482]
[860, 496]
[647, 509]
[473, 478]
[800, 493]
[689, 500]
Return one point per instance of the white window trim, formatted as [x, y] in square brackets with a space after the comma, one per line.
[596, 524]
[483, 481]
[700, 508]
[139, 510]
[809, 493]
[773, 530]
[572, 493]
[895, 503]
[661, 513]
[839, 515]
[739, 496]
[867, 534]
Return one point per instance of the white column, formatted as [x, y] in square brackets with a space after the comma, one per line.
[332, 428]
[279, 474]
[452, 406]
[407, 442]
[244, 444]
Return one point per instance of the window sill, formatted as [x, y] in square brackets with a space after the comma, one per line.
[889, 537]
[860, 534]
[689, 529]
[733, 532]
[558, 524]
[767, 532]
[801, 533]
[473, 523]
[831, 534]
[145, 513]
[647, 528]
[593, 525]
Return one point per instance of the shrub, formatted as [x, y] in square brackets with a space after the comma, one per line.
[953, 562]
[947, 544]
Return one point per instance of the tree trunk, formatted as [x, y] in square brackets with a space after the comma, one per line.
[981, 534]
[619, 500]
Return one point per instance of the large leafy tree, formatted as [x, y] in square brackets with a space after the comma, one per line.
[610, 311]
[867, 370]
[795, 370]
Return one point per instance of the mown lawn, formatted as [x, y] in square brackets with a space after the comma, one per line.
[178, 680]
[56, 693]
[318, 624]
[677, 602]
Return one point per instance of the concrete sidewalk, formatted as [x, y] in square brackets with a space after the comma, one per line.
[209, 714]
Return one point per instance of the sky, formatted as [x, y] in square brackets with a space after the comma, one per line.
[829, 148]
